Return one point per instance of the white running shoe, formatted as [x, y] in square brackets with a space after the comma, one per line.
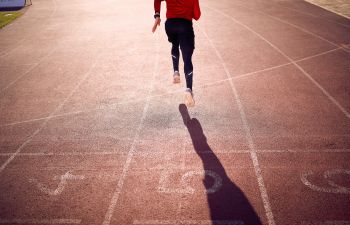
[189, 100]
[176, 77]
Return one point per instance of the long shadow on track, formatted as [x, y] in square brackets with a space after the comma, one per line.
[228, 204]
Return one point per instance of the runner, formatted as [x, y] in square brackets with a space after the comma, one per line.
[179, 29]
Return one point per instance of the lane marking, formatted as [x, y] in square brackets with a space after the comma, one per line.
[19, 43]
[330, 97]
[151, 152]
[296, 26]
[334, 189]
[120, 184]
[40, 221]
[185, 187]
[188, 222]
[6, 53]
[29, 70]
[109, 106]
[61, 185]
[329, 222]
[253, 153]
[316, 16]
[29, 139]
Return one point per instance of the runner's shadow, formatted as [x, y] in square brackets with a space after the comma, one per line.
[228, 204]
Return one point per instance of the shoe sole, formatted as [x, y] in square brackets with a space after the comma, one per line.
[176, 79]
[189, 101]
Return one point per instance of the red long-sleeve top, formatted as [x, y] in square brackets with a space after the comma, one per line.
[186, 9]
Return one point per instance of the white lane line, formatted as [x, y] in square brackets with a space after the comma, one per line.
[120, 184]
[188, 222]
[297, 27]
[324, 91]
[253, 153]
[19, 43]
[28, 71]
[29, 139]
[306, 31]
[35, 64]
[151, 152]
[109, 106]
[63, 153]
[306, 151]
[40, 221]
[6, 53]
[315, 16]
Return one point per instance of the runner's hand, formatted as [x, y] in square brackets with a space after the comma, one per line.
[156, 23]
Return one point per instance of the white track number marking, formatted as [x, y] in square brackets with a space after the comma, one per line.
[61, 185]
[185, 187]
[333, 187]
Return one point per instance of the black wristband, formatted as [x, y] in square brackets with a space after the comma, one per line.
[156, 15]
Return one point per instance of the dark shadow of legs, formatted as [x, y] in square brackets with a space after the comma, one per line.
[228, 205]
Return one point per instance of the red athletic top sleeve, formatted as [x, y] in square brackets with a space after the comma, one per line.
[157, 6]
[186, 9]
[196, 10]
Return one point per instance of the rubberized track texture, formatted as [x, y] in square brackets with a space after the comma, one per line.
[93, 130]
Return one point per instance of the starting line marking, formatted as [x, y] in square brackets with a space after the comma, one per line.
[189, 222]
[41, 221]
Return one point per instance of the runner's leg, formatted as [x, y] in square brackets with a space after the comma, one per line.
[187, 52]
[187, 46]
[175, 54]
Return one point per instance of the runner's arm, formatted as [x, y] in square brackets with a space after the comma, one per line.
[196, 10]
[157, 5]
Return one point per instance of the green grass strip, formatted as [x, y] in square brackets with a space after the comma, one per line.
[8, 17]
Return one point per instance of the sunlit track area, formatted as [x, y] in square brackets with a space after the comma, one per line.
[93, 131]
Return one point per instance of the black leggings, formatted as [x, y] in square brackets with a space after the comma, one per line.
[180, 34]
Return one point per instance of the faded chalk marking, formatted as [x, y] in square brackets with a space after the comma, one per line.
[335, 188]
[185, 187]
[40, 221]
[61, 185]
[188, 222]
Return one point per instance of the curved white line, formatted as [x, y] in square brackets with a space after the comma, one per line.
[333, 190]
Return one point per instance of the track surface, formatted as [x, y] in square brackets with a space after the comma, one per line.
[93, 131]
